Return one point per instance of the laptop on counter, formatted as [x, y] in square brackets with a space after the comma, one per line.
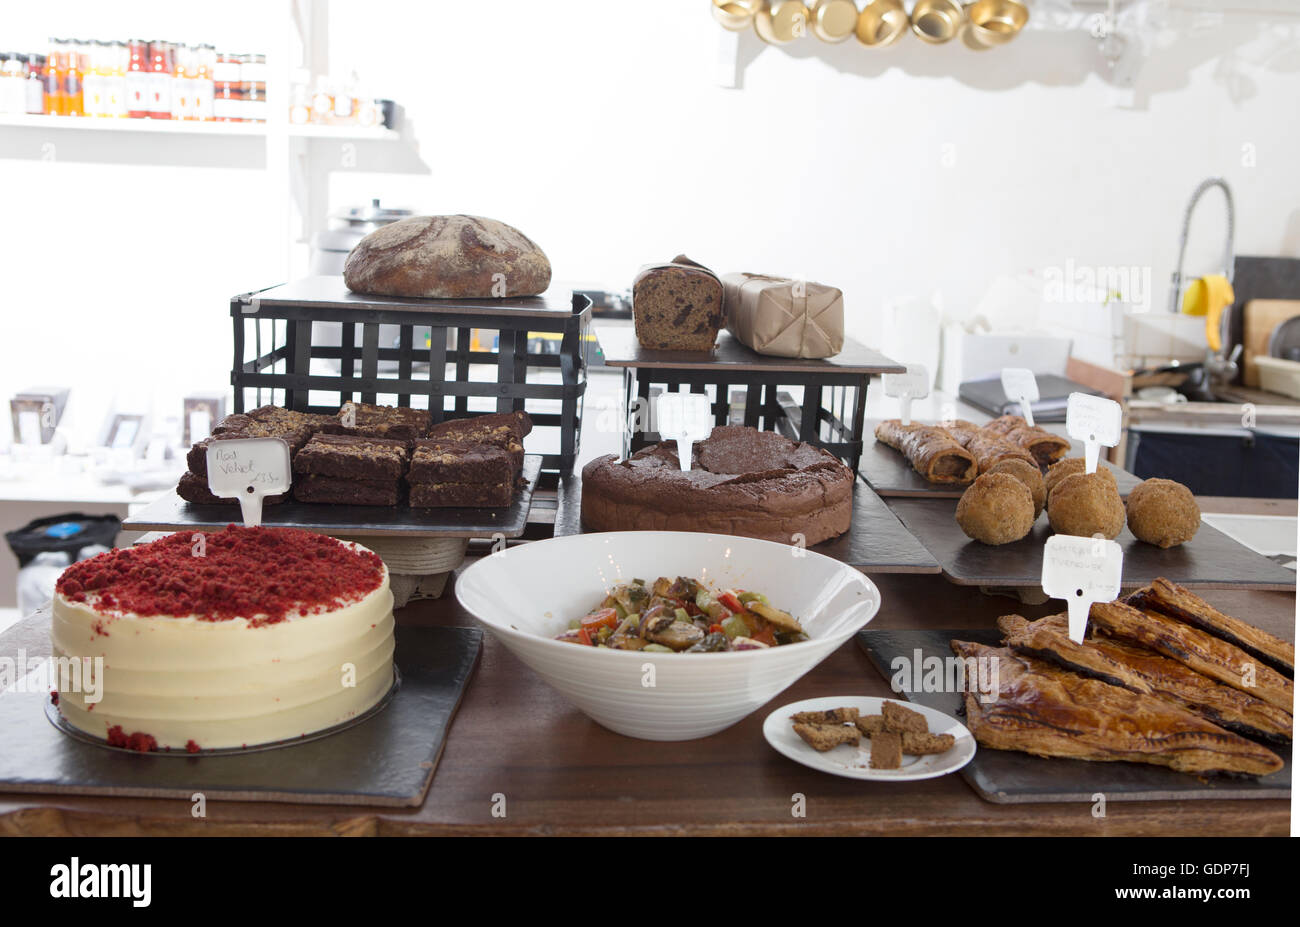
[1053, 391]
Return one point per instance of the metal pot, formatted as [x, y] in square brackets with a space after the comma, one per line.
[330, 248]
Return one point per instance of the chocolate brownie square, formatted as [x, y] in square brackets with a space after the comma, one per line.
[290, 418]
[480, 429]
[194, 488]
[361, 418]
[352, 457]
[435, 461]
[332, 490]
[501, 436]
[462, 495]
[236, 421]
[197, 456]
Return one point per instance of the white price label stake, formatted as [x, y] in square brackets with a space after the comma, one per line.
[200, 425]
[1094, 420]
[684, 418]
[1020, 385]
[29, 427]
[915, 384]
[248, 469]
[1081, 571]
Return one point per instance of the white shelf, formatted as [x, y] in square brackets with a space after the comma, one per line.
[186, 127]
[375, 133]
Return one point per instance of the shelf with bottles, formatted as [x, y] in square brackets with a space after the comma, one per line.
[146, 85]
[183, 127]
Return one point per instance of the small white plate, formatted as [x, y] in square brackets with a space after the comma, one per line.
[854, 762]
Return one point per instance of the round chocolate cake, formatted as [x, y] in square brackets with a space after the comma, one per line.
[742, 481]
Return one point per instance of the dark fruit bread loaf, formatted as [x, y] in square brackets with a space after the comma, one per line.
[447, 257]
[677, 306]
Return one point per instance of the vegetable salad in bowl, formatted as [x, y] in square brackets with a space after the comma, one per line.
[683, 615]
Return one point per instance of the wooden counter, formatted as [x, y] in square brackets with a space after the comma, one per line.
[561, 773]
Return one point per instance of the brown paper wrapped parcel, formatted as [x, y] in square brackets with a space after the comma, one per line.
[783, 317]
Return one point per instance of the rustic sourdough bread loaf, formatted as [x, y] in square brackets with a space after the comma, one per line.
[677, 306]
[447, 257]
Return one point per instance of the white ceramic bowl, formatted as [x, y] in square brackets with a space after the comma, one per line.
[527, 594]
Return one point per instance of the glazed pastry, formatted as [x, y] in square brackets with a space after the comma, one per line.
[1045, 711]
[1195, 649]
[1146, 671]
[931, 451]
[1045, 447]
[1176, 602]
[987, 447]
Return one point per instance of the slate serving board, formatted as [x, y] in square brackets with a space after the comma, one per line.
[387, 760]
[875, 543]
[890, 474]
[172, 513]
[1006, 777]
[1211, 560]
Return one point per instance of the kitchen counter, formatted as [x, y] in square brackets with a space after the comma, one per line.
[562, 773]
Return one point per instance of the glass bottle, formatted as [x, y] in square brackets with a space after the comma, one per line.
[55, 64]
[137, 79]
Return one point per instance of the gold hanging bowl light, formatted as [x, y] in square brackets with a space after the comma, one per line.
[736, 15]
[833, 20]
[937, 21]
[994, 22]
[780, 22]
[881, 23]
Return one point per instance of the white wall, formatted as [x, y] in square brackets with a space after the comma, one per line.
[604, 137]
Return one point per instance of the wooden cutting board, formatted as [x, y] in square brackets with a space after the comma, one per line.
[1261, 316]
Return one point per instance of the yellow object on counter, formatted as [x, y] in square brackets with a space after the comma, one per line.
[1207, 293]
[1209, 296]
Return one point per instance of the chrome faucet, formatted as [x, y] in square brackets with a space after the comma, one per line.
[1177, 289]
[1219, 367]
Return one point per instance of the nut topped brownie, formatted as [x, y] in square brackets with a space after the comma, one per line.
[462, 495]
[438, 461]
[352, 457]
[362, 455]
[335, 490]
[362, 418]
[194, 488]
[505, 430]
[274, 415]
[197, 456]
[494, 428]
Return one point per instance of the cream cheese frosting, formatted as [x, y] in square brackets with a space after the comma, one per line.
[189, 680]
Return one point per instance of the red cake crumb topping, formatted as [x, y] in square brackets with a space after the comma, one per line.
[54, 696]
[141, 743]
[263, 574]
[191, 747]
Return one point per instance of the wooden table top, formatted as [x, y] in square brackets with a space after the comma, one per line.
[561, 773]
[621, 349]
